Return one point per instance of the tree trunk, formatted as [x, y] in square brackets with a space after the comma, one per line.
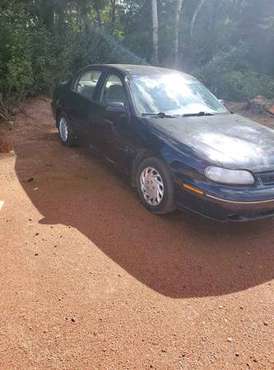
[60, 18]
[155, 32]
[113, 15]
[98, 13]
[48, 16]
[179, 10]
[194, 18]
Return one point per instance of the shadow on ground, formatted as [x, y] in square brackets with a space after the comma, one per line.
[178, 256]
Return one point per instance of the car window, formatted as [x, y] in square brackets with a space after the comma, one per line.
[87, 83]
[113, 91]
[173, 94]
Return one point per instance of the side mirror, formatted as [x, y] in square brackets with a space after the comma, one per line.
[116, 107]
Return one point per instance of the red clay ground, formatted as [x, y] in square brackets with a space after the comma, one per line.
[90, 280]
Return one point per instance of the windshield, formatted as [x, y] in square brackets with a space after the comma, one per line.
[173, 94]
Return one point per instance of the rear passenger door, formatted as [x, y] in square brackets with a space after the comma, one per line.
[82, 106]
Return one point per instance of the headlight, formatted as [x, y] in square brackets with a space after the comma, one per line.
[231, 177]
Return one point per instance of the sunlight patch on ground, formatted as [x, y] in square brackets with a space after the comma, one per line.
[1, 204]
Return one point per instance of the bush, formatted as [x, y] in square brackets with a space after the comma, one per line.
[15, 58]
[231, 78]
[35, 57]
[238, 85]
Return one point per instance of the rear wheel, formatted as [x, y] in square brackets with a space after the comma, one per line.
[65, 131]
[155, 186]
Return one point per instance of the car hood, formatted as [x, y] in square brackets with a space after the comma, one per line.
[228, 140]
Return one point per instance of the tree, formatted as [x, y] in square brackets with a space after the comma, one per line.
[113, 14]
[98, 12]
[195, 15]
[155, 32]
[229, 44]
[178, 17]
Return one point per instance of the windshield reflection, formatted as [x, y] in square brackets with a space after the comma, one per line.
[173, 94]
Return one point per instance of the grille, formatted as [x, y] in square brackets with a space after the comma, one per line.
[267, 178]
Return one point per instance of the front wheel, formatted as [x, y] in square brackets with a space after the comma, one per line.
[155, 186]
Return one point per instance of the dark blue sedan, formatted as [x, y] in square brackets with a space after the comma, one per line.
[178, 144]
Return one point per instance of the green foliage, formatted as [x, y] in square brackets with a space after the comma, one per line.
[231, 77]
[247, 84]
[230, 46]
[15, 59]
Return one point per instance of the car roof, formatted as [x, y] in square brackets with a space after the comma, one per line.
[141, 70]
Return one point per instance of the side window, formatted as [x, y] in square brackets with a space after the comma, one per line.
[113, 91]
[86, 84]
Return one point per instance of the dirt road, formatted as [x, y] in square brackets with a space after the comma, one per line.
[90, 280]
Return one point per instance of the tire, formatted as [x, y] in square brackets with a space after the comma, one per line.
[65, 130]
[155, 186]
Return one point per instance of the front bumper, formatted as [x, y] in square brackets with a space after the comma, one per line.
[251, 206]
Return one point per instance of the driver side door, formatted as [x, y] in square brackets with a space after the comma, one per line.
[112, 128]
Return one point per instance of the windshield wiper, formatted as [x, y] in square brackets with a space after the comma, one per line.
[159, 115]
[200, 114]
